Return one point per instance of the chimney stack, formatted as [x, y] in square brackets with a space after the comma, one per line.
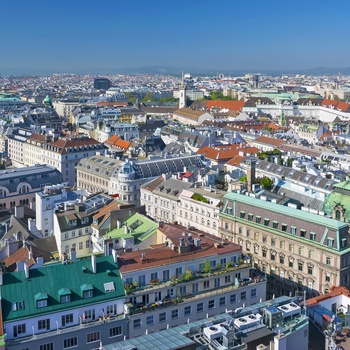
[251, 162]
[115, 256]
[26, 269]
[93, 263]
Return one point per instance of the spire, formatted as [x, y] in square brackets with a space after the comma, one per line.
[183, 81]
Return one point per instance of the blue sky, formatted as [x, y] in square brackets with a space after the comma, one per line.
[104, 36]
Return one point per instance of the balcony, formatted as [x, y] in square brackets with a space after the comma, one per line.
[188, 298]
[134, 289]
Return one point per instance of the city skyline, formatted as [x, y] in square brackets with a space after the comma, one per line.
[229, 35]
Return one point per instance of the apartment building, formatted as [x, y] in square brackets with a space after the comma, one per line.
[127, 176]
[61, 306]
[62, 153]
[19, 186]
[297, 249]
[161, 198]
[187, 276]
[72, 226]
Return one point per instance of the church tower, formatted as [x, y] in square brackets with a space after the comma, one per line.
[182, 99]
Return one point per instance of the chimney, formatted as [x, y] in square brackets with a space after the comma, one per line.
[40, 261]
[126, 229]
[93, 263]
[251, 162]
[73, 255]
[19, 212]
[30, 254]
[1, 277]
[26, 269]
[115, 255]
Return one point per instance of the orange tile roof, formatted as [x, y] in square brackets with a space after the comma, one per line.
[236, 160]
[270, 141]
[122, 144]
[21, 254]
[334, 292]
[110, 141]
[223, 152]
[231, 105]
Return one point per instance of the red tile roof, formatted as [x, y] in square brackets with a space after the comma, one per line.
[231, 105]
[161, 254]
[270, 141]
[225, 152]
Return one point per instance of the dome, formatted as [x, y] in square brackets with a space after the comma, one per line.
[47, 100]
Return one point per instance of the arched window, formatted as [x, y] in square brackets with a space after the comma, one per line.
[337, 214]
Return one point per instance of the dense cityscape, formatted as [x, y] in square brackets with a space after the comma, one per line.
[175, 211]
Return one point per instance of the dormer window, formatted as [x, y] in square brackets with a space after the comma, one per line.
[87, 290]
[65, 295]
[41, 300]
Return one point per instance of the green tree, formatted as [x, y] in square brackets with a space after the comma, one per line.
[266, 182]
[148, 97]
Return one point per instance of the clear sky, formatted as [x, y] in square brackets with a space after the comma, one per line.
[104, 36]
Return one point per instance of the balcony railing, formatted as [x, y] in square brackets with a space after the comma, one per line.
[156, 284]
[188, 297]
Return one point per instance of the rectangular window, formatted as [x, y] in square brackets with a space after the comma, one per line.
[162, 317]
[312, 236]
[309, 270]
[275, 225]
[328, 277]
[200, 307]
[300, 251]
[228, 279]
[258, 219]
[243, 295]
[66, 319]
[256, 236]
[206, 284]
[211, 304]
[284, 227]
[328, 260]
[174, 314]
[178, 271]
[115, 331]
[253, 293]
[154, 276]
[149, 320]
[87, 244]
[70, 343]
[330, 242]
[300, 267]
[19, 329]
[137, 323]
[222, 301]
[166, 275]
[44, 324]
[92, 337]
[47, 346]
[187, 310]
[281, 259]
[41, 303]
[266, 222]
[242, 214]
[293, 230]
[302, 233]
[250, 217]
[291, 248]
[264, 253]
[233, 298]
[223, 262]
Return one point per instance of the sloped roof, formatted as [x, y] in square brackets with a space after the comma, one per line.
[270, 141]
[231, 105]
[50, 279]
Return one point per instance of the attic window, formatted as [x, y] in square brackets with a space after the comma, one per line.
[41, 300]
[19, 305]
[87, 290]
[65, 294]
[109, 287]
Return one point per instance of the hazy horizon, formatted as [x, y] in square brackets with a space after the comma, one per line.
[104, 38]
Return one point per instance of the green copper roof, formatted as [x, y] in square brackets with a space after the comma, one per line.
[140, 227]
[47, 100]
[339, 195]
[288, 211]
[52, 281]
